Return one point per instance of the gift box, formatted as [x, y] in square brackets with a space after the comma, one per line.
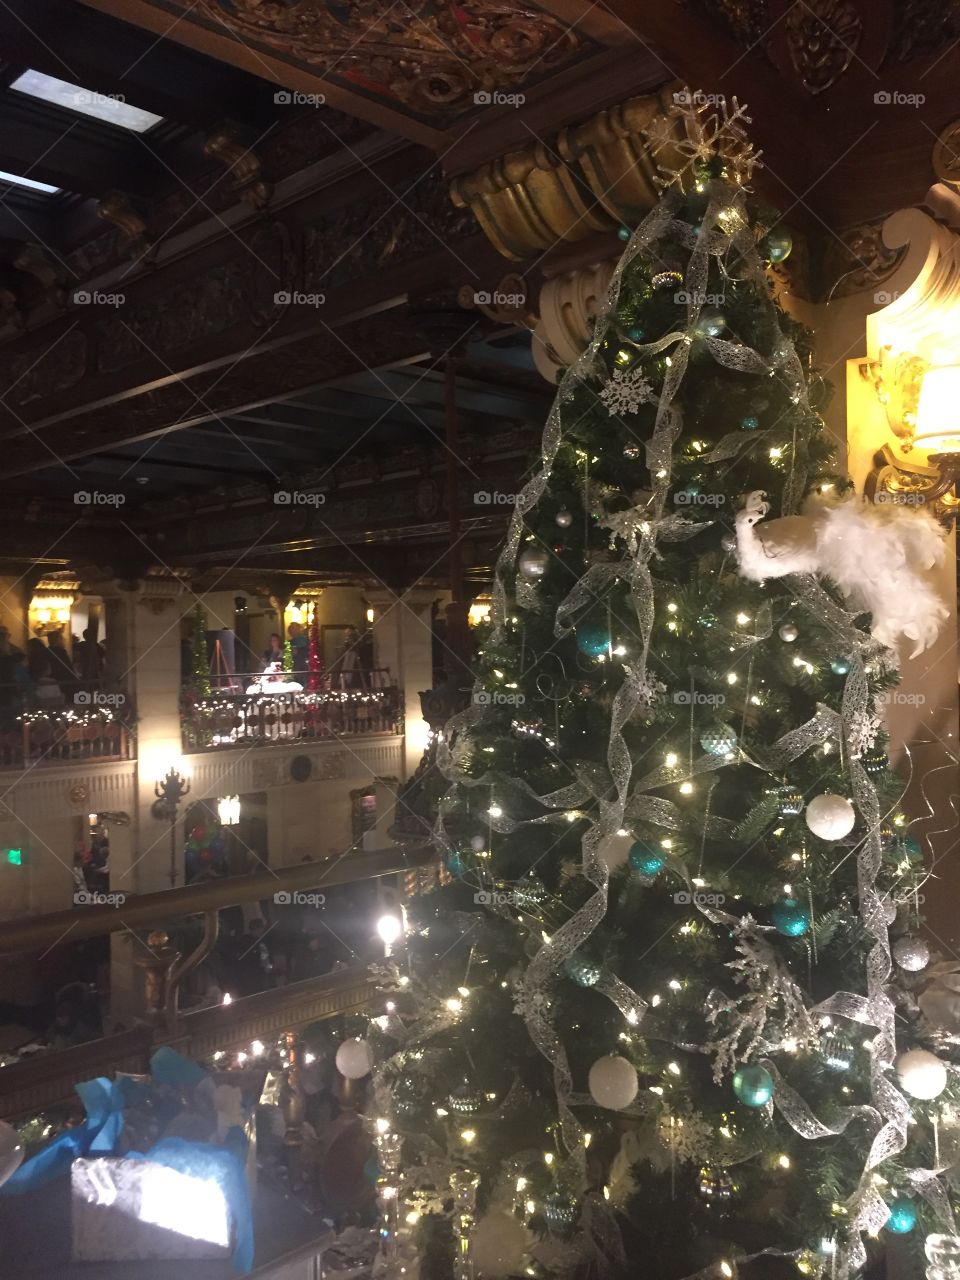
[163, 1166]
[125, 1209]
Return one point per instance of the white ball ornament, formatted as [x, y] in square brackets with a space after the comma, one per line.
[830, 817]
[499, 1245]
[788, 632]
[613, 1082]
[911, 954]
[614, 850]
[921, 1074]
[354, 1059]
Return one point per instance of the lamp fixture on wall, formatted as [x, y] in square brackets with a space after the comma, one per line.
[913, 358]
[170, 790]
[929, 420]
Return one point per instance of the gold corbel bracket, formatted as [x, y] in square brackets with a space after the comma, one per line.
[915, 485]
[896, 381]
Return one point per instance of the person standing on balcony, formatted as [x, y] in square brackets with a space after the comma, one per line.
[300, 646]
[274, 651]
[61, 668]
[10, 683]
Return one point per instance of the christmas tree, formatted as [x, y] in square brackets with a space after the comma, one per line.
[648, 1024]
[200, 658]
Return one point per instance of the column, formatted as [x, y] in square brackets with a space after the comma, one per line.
[403, 640]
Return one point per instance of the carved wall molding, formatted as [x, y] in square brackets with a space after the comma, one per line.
[859, 259]
[822, 40]
[600, 173]
[946, 155]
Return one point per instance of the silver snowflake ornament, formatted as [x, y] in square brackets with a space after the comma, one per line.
[626, 391]
[862, 730]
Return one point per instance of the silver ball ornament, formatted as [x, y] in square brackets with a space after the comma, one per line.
[911, 954]
[788, 632]
[533, 563]
[564, 519]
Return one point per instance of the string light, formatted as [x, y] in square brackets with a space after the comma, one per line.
[468, 1135]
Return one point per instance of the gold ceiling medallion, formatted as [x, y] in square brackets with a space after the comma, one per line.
[822, 39]
[428, 56]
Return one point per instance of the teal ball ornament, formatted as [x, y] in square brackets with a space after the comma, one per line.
[559, 1213]
[718, 739]
[456, 865]
[646, 859]
[837, 1051]
[465, 1100]
[753, 1086]
[636, 333]
[791, 918]
[623, 233]
[777, 244]
[593, 640]
[903, 1216]
[909, 848]
[750, 422]
[711, 323]
[790, 802]
[584, 972]
[840, 667]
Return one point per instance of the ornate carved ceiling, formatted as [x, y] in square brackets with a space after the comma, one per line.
[425, 58]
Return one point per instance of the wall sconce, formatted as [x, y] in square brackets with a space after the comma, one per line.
[170, 790]
[930, 421]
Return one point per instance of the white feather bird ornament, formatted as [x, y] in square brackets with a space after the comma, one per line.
[877, 555]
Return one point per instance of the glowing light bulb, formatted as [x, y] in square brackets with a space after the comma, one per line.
[257, 1048]
[548, 1157]
[495, 811]
[671, 759]
[686, 788]
[732, 677]
[468, 1135]
[389, 928]
[783, 1162]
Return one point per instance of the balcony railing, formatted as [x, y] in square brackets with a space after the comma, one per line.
[66, 735]
[233, 719]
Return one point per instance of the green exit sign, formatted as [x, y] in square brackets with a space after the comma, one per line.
[15, 857]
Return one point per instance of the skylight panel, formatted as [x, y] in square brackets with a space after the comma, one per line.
[33, 185]
[86, 102]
